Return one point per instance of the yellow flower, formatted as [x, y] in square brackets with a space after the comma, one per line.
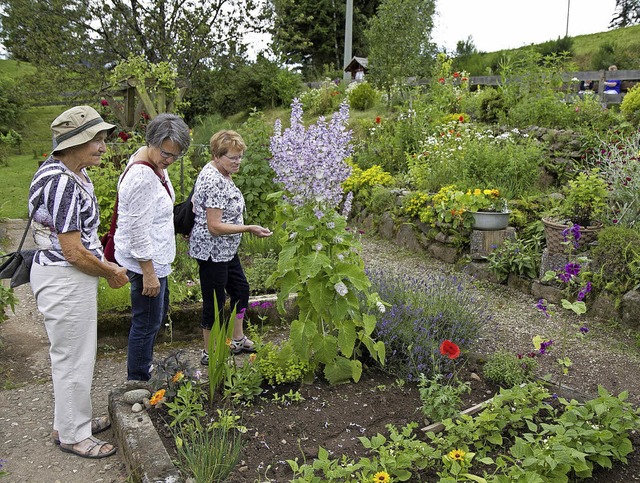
[477, 191]
[381, 477]
[157, 397]
[178, 377]
[457, 454]
[228, 342]
[252, 358]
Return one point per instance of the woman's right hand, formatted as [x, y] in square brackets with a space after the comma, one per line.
[118, 277]
[259, 231]
[150, 285]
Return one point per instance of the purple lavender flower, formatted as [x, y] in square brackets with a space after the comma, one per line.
[310, 163]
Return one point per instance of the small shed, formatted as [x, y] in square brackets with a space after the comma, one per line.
[357, 64]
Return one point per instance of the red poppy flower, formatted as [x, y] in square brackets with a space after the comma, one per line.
[124, 136]
[378, 120]
[449, 349]
[441, 80]
[465, 79]
[456, 74]
[104, 103]
[461, 119]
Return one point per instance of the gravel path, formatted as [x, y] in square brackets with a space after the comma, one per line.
[607, 356]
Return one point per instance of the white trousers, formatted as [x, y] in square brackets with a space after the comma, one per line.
[67, 298]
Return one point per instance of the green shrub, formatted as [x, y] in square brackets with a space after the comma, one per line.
[517, 257]
[507, 370]
[281, 365]
[616, 260]
[363, 96]
[630, 106]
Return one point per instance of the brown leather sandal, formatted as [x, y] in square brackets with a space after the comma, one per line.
[91, 448]
[98, 425]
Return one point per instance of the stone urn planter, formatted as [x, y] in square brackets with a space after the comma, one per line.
[490, 220]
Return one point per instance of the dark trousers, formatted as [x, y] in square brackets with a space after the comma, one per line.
[148, 313]
[218, 279]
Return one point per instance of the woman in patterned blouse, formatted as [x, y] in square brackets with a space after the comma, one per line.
[215, 238]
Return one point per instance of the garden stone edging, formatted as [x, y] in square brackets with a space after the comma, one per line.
[140, 446]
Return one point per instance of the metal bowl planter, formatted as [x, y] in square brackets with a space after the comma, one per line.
[490, 220]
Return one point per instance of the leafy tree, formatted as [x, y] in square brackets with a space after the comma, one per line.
[466, 47]
[311, 33]
[399, 41]
[85, 34]
[627, 13]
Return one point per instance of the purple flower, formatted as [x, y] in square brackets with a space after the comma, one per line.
[544, 346]
[574, 231]
[254, 304]
[572, 268]
[310, 162]
[266, 305]
[543, 307]
[584, 329]
[584, 291]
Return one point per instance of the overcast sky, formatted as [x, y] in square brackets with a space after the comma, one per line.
[508, 24]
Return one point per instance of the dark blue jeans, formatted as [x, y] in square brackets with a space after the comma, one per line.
[148, 314]
[220, 278]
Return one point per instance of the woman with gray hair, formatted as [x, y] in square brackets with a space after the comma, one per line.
[145, 240]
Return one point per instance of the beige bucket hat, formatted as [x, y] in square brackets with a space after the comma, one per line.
[77, 126]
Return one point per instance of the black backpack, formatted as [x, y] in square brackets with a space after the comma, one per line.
[183, 216]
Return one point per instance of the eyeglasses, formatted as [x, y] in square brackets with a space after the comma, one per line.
[167, 155]
[235, 159]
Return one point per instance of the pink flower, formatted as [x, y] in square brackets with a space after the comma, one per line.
[104, 103]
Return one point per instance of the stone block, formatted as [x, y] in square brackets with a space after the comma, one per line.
[407, 237]
[140, 446]
[631, 309]
[386, 227]
[552, 261]
[443, 252]
[480, 271]
[604, 307]
[521, 284]
[549, 293]
[483, 242]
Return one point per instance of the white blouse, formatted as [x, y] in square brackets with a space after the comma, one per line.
[145, 220]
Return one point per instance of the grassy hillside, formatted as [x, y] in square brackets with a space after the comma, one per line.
[14, 69]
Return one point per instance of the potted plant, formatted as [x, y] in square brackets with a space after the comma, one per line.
[488, 209]
[584, 204]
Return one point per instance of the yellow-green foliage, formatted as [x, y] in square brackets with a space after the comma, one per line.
[281, 365]
[415, 203]
[630, 106]
[359, 179]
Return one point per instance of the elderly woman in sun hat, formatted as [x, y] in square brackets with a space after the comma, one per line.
[65, 272]
[145, 241]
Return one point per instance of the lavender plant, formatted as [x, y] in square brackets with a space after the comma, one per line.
[423, 313]
[320, 259]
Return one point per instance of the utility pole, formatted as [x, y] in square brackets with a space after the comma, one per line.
[348, 28]
[566, 33]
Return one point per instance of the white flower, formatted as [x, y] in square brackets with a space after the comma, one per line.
[292, 235]
[338, 239]
[341, 288]
[317, 247]
[381, 307]
[331, 225]
[340, 256]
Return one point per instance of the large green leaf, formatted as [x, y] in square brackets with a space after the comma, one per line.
[326, 348]
[338, 371]
[347, 338]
